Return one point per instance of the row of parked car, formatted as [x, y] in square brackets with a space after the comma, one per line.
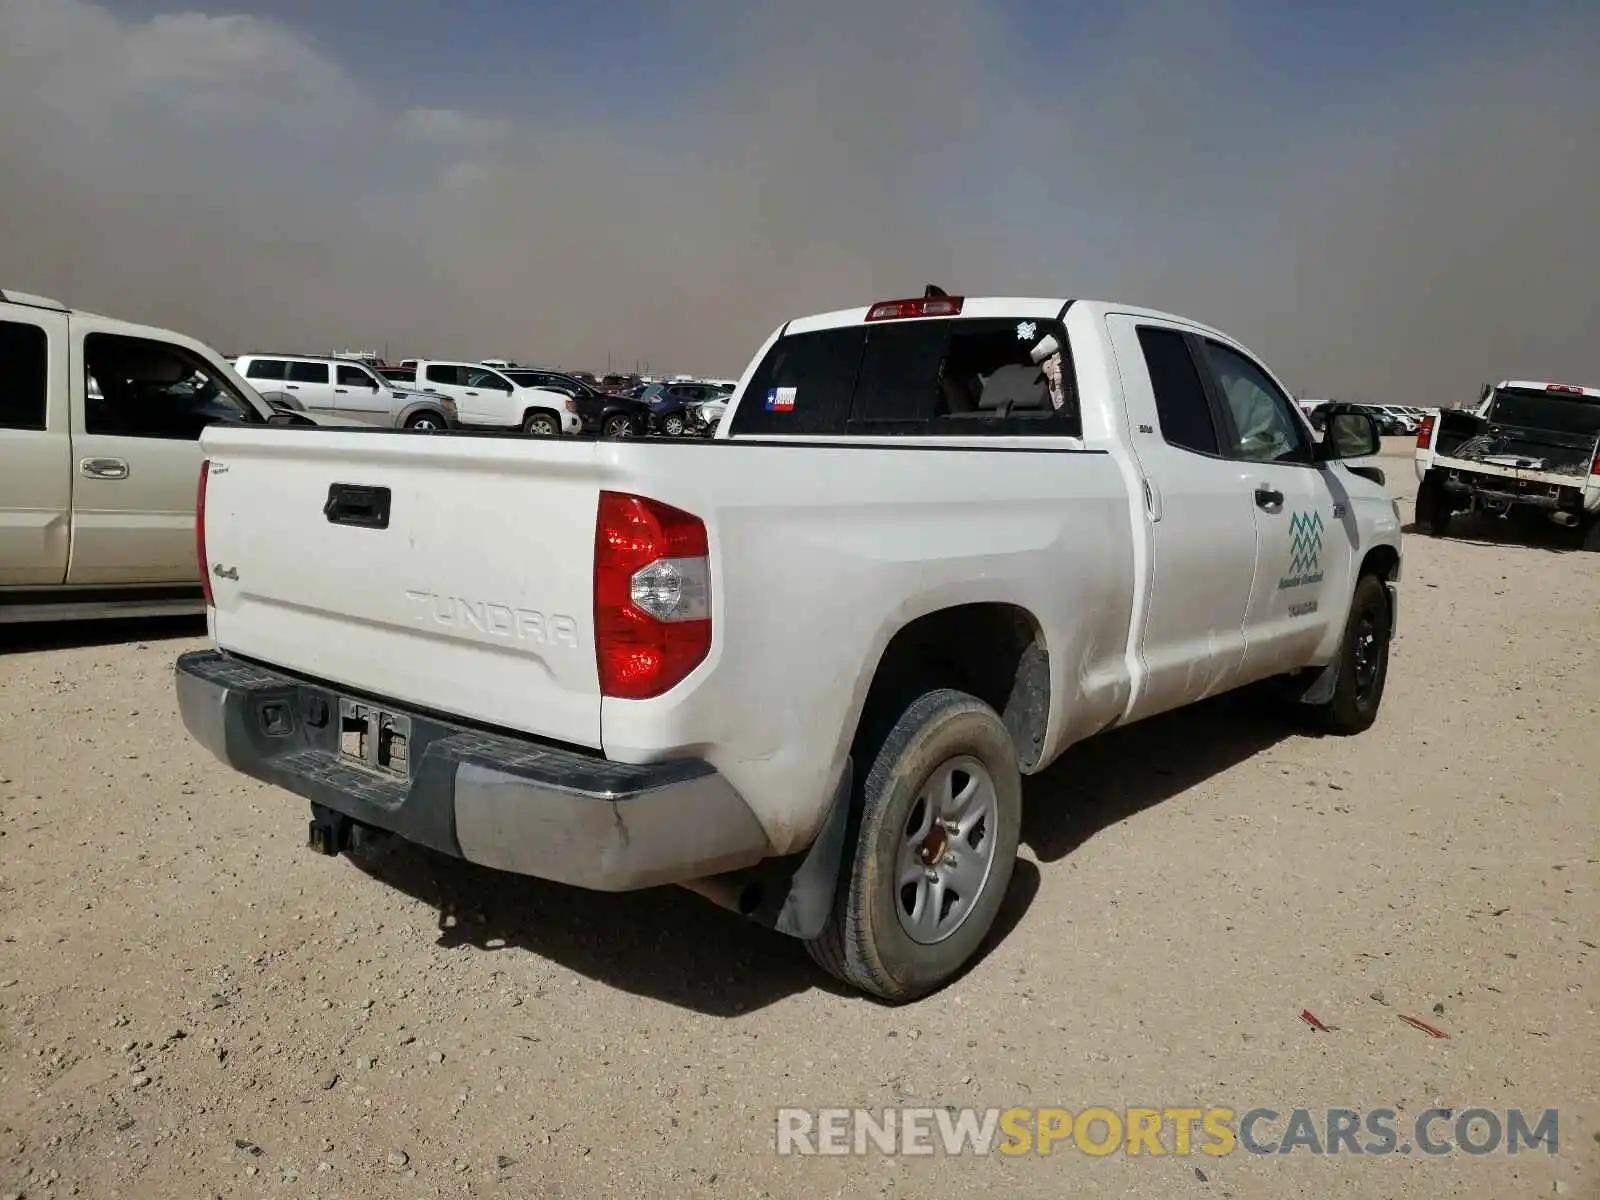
[431, 394]
[1393, 420]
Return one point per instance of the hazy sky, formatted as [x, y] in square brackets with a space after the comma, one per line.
[1393, 204]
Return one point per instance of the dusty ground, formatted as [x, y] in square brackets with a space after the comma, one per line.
[192, 1004]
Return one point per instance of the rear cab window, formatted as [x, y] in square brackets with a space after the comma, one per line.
[962, 376]
[1553, 407]
[820, 366]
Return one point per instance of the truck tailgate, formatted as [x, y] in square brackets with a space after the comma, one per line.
[466, 588]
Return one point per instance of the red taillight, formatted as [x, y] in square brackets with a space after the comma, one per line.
[1594, 467]
[1564, 387]
[200, 531]
[927, 306]
[652, 596]
[1425, 432]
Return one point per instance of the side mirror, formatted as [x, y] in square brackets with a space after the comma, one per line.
[1349, 433]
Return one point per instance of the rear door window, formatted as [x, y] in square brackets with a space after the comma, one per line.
[308, 372]
[441, 373]
[803, 385]
[24, 372]
[1182, 406]
[265, 368]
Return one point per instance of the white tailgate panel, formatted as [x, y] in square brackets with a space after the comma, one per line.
[476, 601]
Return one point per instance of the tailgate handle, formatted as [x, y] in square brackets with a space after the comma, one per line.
[357, 504]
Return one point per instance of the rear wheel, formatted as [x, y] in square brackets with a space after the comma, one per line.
[936, 832]
[1363, 662]
[541, 424]
[618, 426]
[673, 425]
[1591, 534]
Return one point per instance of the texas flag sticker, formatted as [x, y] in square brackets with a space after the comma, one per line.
[780, 399]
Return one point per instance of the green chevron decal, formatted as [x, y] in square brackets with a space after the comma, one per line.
[1305, 551]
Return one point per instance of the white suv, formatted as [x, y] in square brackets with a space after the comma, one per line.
[345, 389]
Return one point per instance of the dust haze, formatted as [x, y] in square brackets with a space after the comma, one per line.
[222, 174]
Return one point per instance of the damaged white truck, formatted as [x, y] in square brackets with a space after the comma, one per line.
[1528, 448]
[802, 667]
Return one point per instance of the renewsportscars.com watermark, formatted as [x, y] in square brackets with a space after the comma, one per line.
[1099, 1131]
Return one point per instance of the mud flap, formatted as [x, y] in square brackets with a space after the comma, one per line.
[809, 900]
[1321, 689]
[793, 894]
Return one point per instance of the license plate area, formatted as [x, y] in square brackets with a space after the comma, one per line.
[377, 740]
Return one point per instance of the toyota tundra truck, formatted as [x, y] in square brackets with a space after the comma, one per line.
[800, 667]
[1529, 447]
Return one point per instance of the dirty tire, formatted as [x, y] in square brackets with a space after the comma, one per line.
[1590, 539]
[864, 943]
[541, 424]
[1432, 507]
[1358, 691]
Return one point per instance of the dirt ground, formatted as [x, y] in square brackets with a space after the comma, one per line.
[193, 1004]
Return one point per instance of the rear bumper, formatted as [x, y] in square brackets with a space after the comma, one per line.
[1544, 491]
[510, 803]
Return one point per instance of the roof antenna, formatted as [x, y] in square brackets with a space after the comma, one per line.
[933, 290]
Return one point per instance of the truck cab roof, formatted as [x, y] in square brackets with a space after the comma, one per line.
[987, 306]
[112, 325]
[1538, 385]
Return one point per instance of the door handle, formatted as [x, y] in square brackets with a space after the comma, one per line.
[342, 391]
[293, 387]
[1268, 498]
[1152, 500]
[104, 468]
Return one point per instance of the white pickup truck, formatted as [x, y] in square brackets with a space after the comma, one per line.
[800, 667]
[100, 427]
[487, 399]
[1530, 447]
